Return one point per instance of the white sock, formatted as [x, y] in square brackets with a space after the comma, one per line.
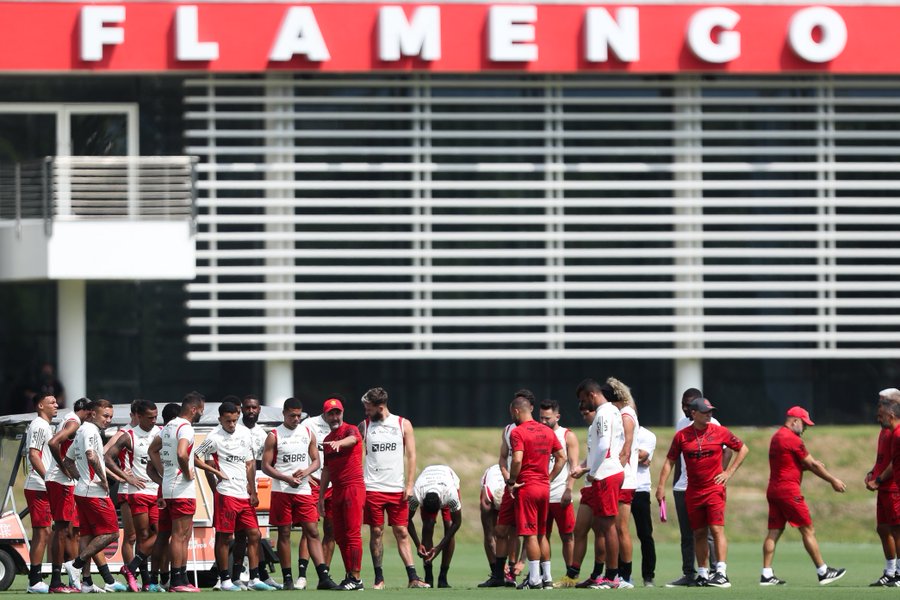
[534, 571]
[545, 570]
[703, 572]
[768, 573]
[822, 570]
[722, 568]
[890, 566]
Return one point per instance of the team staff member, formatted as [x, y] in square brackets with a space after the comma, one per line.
[343, 467]
[606, 472]
[97, 517]
[532, 444]
[640, 507]
[172, 454]
[319, 426]
[290, 456]
[37, 452]
[788, 458]
[389, 471]
[234, 468]
[60, 494]
[437, 491]
[701, 444]
[133, 444]
[561, 510]
[880, 478]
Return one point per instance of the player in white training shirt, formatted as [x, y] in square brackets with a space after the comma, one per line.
[607, 472]
[437, 491]
[227, 453]
[171, 453]
[290, 457]
[389, 470]
[562, 511]
[133, 445]
[37, 459]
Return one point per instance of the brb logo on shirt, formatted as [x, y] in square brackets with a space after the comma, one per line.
[384, 447]
[289, 458]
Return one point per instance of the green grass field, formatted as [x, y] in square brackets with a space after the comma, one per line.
[844, 522]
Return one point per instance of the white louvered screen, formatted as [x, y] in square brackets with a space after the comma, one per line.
[545, 216]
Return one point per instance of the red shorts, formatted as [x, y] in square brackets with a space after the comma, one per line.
[788, 509]
[507, 514]
[587, 496]
[181, 507]
[293, 509]
[432, 516]
[378, 502]
[706, 507]
[144, 503]
[122, 498]
[626, 496]
[328, 493]
[887, 508]
[564, 517]
[97, 516]
[606, 495]
[532, 509]
[38, 508]
[62, 502]
[233, 514]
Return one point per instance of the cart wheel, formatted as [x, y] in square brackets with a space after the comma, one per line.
[7, 570]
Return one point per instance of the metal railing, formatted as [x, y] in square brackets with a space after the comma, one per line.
[99, 187]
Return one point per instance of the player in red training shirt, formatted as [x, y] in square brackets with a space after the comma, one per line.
[887, 506]
[342, 449]
[788, 457]
[701, 443]
[532, 444]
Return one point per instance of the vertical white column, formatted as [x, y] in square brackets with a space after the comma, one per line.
[279, 381]
[71, 359]
[688, 374]
[279, 278]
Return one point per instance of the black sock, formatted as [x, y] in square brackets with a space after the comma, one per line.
[56, 576]
[163, 577]
[263, 572]
[429, 571]
[411, 572]
[136, 562]
[34, 574]
[322, 572]
[154, 577]
[379, 574]
[78, 563]
[254, 573]
[286, 574]
[598, 570]
[223, 575]
[625, 570]
[497, 570]
[611, 574]
[145, 573]
[105, 574]
[572, 571]
[88, 581]
[302, 565]
[443, 574]
[236, 570]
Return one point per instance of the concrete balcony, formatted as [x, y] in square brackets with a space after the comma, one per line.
[98, 218]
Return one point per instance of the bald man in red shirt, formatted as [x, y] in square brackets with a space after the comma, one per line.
[342, 449]
[788, 458]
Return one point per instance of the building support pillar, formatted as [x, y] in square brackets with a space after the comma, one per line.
[279, 381]
[688, 374]
[71, 345]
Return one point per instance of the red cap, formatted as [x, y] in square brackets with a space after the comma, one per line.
[801, 413]
[332, 404]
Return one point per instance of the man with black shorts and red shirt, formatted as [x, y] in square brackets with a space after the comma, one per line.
[532, 444]
[343, 467]
[788, 458]
[97, 517]
[880, 478]
[701, 443]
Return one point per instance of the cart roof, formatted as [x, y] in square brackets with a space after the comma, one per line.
[268, 415]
